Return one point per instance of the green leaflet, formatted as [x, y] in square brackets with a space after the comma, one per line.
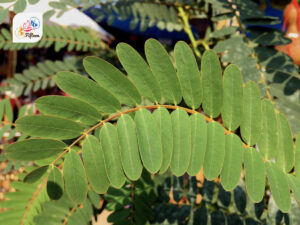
[163, 69]
[55, 184]
[199, 139]
[49, 127]
[163, 119]
[8, 110]
[139, 72]
[70, 108]
[181, 142]
[129, 150]
[294, 183]
[251, 123]
[232, 110]
[110, 146]
[279, 186]
[285, 155]
[212, 84]
[112, 79]
[149, 140]
[75, 178]
[35, 174]
[232, 167]
[189, 75]
[255, 174]
[93, 159]
[268, 141]
[297, 157]
[34, 149]
[20, 6]
[215, 151]
[87, 90]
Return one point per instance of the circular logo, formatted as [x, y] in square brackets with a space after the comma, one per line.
[35, 22]
[19, 32]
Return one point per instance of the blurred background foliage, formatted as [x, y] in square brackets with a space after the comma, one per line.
[244, 32]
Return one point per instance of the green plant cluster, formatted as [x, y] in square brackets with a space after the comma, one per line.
[158, 136]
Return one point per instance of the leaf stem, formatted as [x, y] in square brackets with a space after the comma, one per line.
[151, 107]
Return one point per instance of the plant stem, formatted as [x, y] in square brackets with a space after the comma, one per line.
[172, 107]
[188, 30]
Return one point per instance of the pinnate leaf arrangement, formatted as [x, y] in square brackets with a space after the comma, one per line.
[152, 119]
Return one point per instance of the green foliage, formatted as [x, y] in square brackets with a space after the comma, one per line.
[254, 174]
[232, 110]
[73, 39]
[231, 171]
[75, 177]
[111, 155]
[188, 74]
[37, 77]
[181, 127]
[215, 151]
[149, 140]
